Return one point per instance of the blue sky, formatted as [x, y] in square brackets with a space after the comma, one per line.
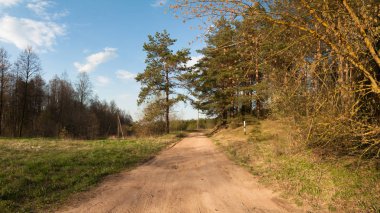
[101, 37]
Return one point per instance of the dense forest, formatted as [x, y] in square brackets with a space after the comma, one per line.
[31, 107]
[316, 62]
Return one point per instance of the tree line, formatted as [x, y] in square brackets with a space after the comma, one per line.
[315, 62]
[32, 107]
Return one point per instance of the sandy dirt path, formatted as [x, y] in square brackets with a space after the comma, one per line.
[192, 176]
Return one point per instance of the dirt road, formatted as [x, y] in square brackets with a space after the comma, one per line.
[193, 176]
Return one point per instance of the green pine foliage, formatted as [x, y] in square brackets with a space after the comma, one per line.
[161, 77]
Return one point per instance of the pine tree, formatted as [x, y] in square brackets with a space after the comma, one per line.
[215, 79]
[163, 72]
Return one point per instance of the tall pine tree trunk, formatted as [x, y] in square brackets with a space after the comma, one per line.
[258, 101]
[167, 105]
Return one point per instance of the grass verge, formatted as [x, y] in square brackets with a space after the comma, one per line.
[39, 174]
[321, 183]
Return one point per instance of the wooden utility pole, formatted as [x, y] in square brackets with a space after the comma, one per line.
[119, 128]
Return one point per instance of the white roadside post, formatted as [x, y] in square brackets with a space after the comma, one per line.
[245, 130]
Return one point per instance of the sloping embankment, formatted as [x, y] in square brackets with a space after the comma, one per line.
[324, 183]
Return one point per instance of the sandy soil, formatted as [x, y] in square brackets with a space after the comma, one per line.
[192, 176]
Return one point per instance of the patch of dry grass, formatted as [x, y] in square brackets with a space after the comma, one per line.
[272, 153]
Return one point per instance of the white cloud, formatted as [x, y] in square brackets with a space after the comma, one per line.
[9, 3]
[24, 32]
[96, 59]
[102, 80]
[125, 75]
[40, 7]
[159, 3]
[194, 60]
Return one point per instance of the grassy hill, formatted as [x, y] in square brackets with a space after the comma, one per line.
[280, 160]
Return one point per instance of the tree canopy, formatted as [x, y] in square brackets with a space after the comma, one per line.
[317, 62]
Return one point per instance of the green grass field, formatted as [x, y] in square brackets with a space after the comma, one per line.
[40, 174]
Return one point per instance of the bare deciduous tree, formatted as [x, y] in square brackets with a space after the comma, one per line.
[83, 88]
[4, 68]
[28, 65]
